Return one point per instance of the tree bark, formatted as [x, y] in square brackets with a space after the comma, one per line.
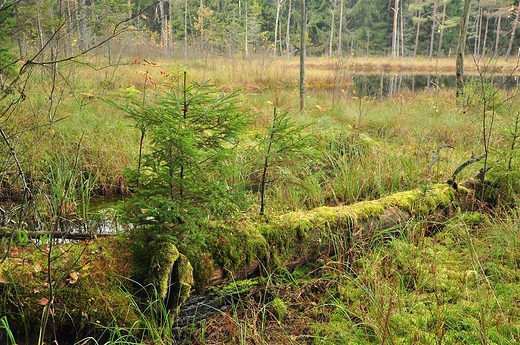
[434, 27]
[395, 52]
[497, 34]
[331, 37]
[461, 47]
[276, 24]
[513, 32]
[478, 35]
[417, 31]
[303, 53]
[340, 29]
[486, 30]
[287, 34]
[359, 225]
[441, 33]
[185, 28]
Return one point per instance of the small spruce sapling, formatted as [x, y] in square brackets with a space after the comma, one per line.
[283, 142]
[185, 176]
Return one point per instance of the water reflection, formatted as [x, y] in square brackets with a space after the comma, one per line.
[389, 85]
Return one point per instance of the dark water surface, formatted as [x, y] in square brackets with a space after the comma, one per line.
[392, 84]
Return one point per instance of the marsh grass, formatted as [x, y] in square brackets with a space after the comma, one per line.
[456, 286]
[403, 130]
[459, 285]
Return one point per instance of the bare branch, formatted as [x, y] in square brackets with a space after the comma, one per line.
[436, 154]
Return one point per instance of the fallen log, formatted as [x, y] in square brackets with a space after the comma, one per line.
[301, 238]
[91, 282]
[298, 238]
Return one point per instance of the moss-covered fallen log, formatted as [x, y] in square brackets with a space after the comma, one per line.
[244, 249]
[101, 281]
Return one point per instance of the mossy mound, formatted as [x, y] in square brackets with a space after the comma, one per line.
[88, 287]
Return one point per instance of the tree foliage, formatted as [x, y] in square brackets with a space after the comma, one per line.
[186, 175]
[423, 27]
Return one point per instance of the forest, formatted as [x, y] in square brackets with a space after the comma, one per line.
[335, 28]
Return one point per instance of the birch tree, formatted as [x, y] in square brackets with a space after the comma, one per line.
[395, 52]
[513, 32]
[288, 31]
[340, 29]
[277, 23]
[461, 47]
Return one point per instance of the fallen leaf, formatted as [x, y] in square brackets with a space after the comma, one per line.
[43, 301]
[37, 268]
[73, 277]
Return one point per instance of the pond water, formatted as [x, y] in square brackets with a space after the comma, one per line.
[102, 219]
[392, 84]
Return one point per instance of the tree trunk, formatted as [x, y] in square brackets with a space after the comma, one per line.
[201, 10]
[358, 225]
[461, 47]
[185, 28]
[478, 31]
[287, 34]
[417, 31]
[169, 26]
[441, 33]
[486, 30]
[246, 43]
[303, 52]
[331, 31]
[340, 29]
[395, 52]
[434, 27]
[513, 32]
[276, 24]
[162, 20]
[497, 39]
[40, 28]
[82, 26]
[401, 44]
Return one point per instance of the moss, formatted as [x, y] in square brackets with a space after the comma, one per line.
[367, 209]
[203, 269]
[236, 287]
[234, 246]
[475, 219]
[163, 257]
[87, 283]
[182, 281]
[422, 202]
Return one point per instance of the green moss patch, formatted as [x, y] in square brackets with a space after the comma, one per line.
[88, 281]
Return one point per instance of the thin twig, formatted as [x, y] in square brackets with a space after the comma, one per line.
[436, 154]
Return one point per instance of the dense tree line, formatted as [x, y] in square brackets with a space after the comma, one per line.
[336, 28]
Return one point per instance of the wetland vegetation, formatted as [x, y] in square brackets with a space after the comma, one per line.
[250, 157]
